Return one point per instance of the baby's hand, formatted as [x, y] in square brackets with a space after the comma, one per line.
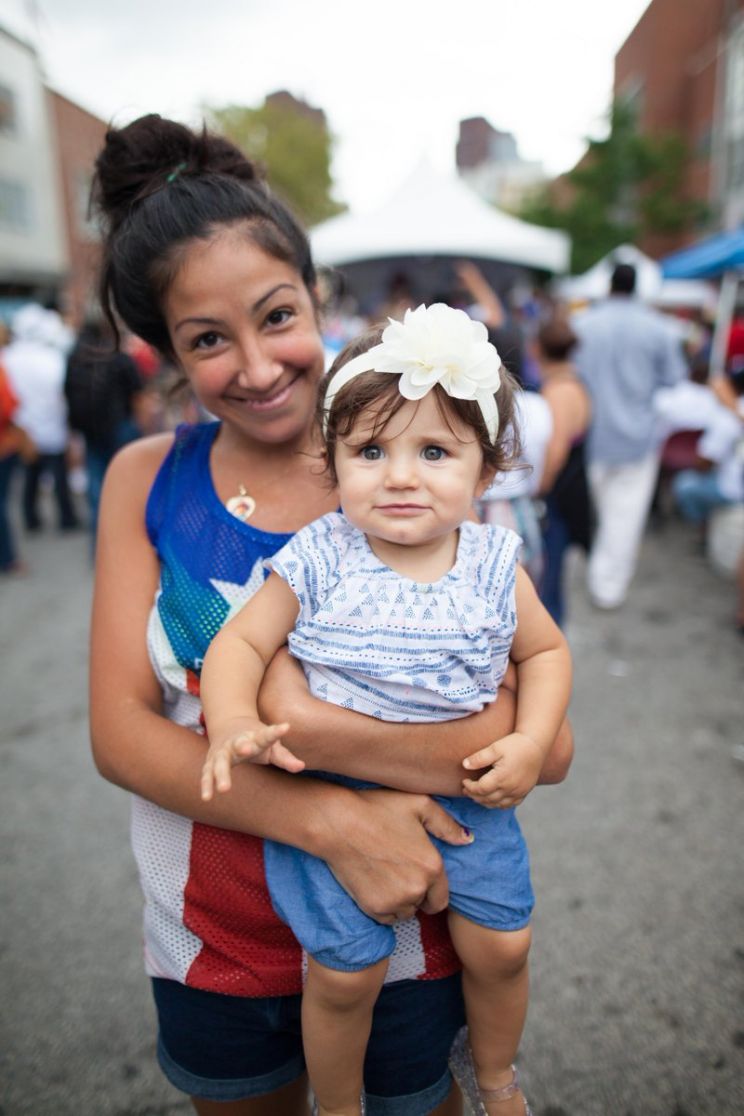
[515, 763]
[259, 744]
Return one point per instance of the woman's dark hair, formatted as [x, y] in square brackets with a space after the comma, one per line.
[379, 390]
[556, 339]
[159, 186]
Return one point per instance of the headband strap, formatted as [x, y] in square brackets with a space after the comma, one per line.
[432, 345]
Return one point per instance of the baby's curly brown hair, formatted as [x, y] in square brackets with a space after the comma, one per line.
[379, 391]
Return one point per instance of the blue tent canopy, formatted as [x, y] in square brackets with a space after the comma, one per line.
[708, 258]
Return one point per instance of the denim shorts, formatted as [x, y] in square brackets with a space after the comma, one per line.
[228, 1048]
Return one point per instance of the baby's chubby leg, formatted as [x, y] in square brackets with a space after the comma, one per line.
[336, 1023]
[495, 987]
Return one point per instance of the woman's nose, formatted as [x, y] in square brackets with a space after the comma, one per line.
[258, 369]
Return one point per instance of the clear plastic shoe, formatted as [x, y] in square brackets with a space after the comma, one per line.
[362, 1106]
[463, 1070]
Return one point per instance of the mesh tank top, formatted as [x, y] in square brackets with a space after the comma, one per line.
[208, 919]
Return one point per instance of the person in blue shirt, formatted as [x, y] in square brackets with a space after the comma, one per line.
[626, 352]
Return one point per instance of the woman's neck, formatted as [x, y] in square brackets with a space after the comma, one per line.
[555, 369]
[287, 483]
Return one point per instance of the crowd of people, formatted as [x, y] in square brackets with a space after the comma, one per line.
[68, 402]
[415, 503]
[621, 416]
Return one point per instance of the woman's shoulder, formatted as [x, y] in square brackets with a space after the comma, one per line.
[140, 460]
[569, 404]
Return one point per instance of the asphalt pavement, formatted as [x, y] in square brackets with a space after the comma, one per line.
[638, 961]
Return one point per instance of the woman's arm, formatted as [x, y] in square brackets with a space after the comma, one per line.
[422, 758]
[376, 843]
[481, 291]
[569, 408]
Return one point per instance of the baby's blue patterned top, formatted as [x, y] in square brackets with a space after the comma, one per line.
[381, 644]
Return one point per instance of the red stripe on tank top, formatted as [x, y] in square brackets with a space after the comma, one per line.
[247, 950]
[439, 953]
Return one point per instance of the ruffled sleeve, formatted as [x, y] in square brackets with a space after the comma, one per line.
[309, 563]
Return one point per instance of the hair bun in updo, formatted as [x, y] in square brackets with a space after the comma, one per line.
[138, 159]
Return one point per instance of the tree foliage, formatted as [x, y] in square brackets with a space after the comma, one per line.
[626, 188]
[293, 146]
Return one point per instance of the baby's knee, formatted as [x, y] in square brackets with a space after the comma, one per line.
[344, 990]
[508, 952]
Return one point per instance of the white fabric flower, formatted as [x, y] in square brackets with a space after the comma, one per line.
[433, 345]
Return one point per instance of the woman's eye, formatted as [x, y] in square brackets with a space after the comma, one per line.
[371, 453]
[207, 340]
[279, 316]
[433, 453]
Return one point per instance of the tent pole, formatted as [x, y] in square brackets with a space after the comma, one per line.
[724, 315]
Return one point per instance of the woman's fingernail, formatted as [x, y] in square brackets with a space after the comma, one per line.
[466, 763]
[468, 834]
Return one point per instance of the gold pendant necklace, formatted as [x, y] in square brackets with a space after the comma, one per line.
[241, 506]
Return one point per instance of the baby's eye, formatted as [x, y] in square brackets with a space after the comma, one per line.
[433, 453]
[207, 340]
[370, 453]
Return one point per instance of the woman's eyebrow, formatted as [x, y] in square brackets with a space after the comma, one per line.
[268, 295]
[196, 321]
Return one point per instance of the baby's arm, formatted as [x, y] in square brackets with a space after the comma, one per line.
[233, 669]
[544, 672]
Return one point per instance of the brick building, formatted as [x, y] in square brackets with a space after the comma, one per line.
[489, 161]
[682, 69]
[80, 137]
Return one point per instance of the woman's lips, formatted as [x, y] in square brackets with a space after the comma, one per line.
[270, 402]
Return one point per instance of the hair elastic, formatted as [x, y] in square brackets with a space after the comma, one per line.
[175, 172]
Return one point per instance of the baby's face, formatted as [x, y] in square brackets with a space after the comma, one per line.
[414, 481]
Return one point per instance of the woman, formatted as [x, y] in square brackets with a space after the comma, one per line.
[567, 518]
[206, 266]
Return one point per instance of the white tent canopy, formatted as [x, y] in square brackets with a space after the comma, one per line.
[650, 283]
[438, 215]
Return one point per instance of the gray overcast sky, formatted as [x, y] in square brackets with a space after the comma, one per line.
[393, 76]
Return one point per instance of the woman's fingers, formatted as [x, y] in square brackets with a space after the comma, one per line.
[439, 823]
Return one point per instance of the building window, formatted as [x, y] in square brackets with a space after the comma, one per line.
[8, 112]
[15, 210]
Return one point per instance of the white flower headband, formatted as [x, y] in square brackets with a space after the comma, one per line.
[433, 345]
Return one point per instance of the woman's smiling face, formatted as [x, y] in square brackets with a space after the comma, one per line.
[244, 329]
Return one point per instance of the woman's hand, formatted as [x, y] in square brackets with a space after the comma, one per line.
[382, 855]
